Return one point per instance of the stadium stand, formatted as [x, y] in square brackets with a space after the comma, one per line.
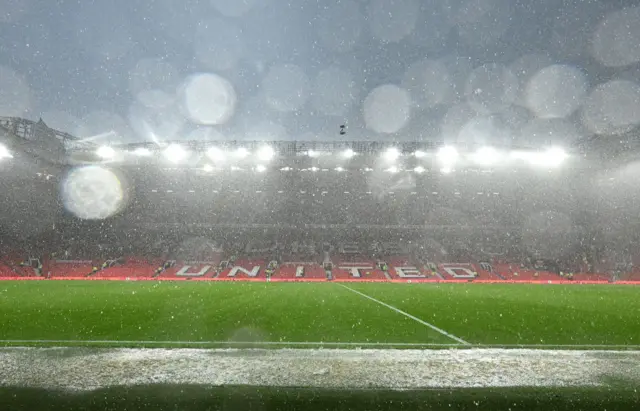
[300, 271]
[6, 270]
[14, 264]
[129, 268]
[70, 268]
[360, 269]
[632, 276]
[341, 268]
[486, 272]
[252, 257]
[262, 255]
[305, 217]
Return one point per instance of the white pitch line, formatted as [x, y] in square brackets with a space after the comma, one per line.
[320, 343]
[257, 343]
[433, 327]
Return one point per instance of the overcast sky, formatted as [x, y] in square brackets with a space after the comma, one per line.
[486, 71]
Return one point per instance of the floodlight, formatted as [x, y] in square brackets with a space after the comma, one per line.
[391, 154]
[106, 152]
[348, 153]
[419, 170]
[447, 155]
[266, 153]
[314, 169]
[175, 153]
[555, 156]
[4, 152]
[260, 168]
[339, 169]
[313, 153]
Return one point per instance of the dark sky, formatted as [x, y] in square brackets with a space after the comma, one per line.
[483, 71]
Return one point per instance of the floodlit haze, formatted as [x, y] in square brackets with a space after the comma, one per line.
[485, 71]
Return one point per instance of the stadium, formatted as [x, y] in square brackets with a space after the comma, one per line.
[355, 205]
[366, 223]
[341, 246]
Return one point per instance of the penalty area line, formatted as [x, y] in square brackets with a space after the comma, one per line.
[406, 314]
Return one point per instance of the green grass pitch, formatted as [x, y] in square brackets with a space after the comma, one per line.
[211, 313]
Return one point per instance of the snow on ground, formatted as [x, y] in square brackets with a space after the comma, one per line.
[91, 368]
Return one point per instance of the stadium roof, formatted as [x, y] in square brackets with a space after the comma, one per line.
[41, 141]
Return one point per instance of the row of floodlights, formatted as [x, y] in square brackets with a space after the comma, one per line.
[176, 153]
[446, 156]
[260, 168]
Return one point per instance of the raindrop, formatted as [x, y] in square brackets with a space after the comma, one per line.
[574, 26]
[524, 68]
[387, 109]
[556, 91]
[93, 192]
[428, 83]
[209, 99]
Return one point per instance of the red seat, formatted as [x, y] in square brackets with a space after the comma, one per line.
[6, 271]
[69, 269]
[591, 277]
[632, 276]
[290, 271]
[128, 270]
